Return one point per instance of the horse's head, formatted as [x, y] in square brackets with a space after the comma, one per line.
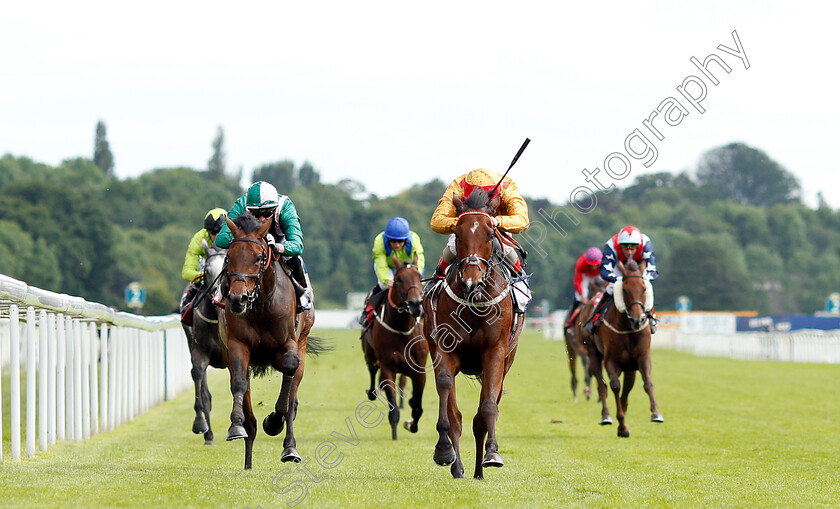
[407, 287]
[633, 290]
[474, 233]
[248, 259]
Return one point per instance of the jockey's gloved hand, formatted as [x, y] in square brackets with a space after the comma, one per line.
[269, 239]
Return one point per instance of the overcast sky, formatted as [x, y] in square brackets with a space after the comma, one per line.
[395, 93]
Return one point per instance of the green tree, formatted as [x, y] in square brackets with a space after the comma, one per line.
[307, 176]
[281, 174]
[748, 175]
[102, 156]
[216, 164]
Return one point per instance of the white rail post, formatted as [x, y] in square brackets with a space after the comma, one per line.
[103, 378]
[77, 381]
[51, 401]
[69, 363]
[14, 378]
[60, 368]
[30, 382]
[43, 378]
[84, 345]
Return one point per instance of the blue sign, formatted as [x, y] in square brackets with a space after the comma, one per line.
[832, 303]
[135, 295]
[683, 303]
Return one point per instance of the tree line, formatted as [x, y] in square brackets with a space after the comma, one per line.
[735, 235]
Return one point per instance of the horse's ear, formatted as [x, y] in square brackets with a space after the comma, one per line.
[204, 245]
[262, 230]
[397, 264]
[494, 204]
[621, 268]
[415, 259]
[643, 266]
[458, 202]
[233, 229]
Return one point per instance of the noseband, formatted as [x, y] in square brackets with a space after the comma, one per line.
[243, 276]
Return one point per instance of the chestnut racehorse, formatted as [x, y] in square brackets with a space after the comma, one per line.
[394, 344]
[623, 343]
[471, 328]
[262, 330]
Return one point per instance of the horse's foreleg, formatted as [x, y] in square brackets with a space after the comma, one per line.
[198, 373]
[238, 359]
[402, 383]
[645, 370]
[587, 376]
[418, 383]
[207, 404]
[488, 413]
[387, 384]
[570, 351]
[457, 468]
[613, 371]
[445, 384]
[372, 364]
[596, 370]
[250, 426]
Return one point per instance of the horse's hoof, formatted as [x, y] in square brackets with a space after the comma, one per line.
[606, 421]
[657, 418]
[624, 434]
[371, 394]
[269, 429]
[444, 457]
[457, 471]
[200, 427]
[410, 426]
[587, 392]
[290, 454]
[209, 442]
[236, 431]
[492, 459]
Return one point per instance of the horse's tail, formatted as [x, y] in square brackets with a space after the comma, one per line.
[258, 371]
[316, 346]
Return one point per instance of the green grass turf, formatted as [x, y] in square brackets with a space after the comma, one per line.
[737, 433]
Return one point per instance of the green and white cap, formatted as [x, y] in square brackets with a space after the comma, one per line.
[261, 195]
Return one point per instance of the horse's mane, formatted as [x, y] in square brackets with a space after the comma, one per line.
[631, 266]
[247, 222]
[477, 200]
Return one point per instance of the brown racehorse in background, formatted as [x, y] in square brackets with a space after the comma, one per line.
[261, 330]
[623, 344]
[471, 328]
[575, 348]
[394, 344]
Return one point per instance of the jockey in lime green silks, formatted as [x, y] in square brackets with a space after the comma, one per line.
[396, 241]
[193, 270]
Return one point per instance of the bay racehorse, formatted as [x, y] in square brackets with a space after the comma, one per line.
[575, 349]
[624, 341]
[471, 328]
[262, 330]
[588, 343]
[203, 339]
[394, 343]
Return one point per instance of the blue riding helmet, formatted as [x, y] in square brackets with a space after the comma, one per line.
[397, 229]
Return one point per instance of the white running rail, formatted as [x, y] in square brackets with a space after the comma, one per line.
[97, 368]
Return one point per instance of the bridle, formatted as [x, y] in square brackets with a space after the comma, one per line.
[627, 313]
[403, 305]
[473, 259]
[265, 256]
